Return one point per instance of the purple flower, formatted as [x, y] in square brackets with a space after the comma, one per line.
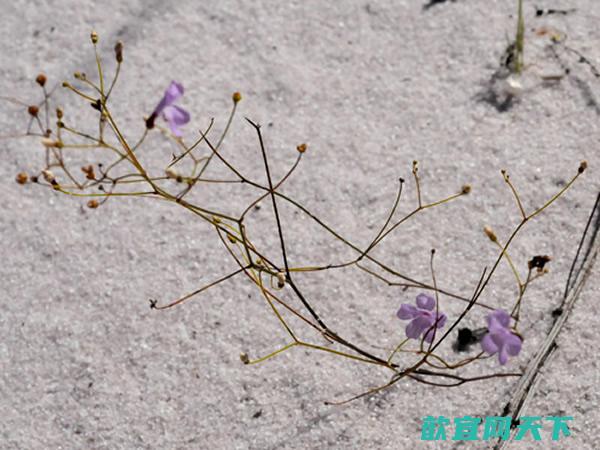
[499, 338]
[173, 114]
[422, 317]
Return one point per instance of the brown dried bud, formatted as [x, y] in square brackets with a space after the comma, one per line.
[302, 148]
[236, 97]
[94, 37]
[89, 172]
[41, 79]
[93, 204]
[119, 51]
[244, 358]
[490, 234]
[59, 113]
[539, 262]
[22, 178]
[80, 76]
[466, 189]
[582, 166]
[33, 110]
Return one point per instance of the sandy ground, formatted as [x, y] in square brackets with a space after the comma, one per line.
[370, 86]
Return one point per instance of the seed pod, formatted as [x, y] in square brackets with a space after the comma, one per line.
[301, 148]
[93, 204]
[94, 37]
[236, 97]
[33, 110]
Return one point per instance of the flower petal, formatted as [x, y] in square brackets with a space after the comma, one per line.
[488, 345]
[171, 95]
[513, 345]
[441, 320]
[429, 335]
[503, 355]
[417, 326]
[175, 116]
[499, 318]
[406, 312]
[425, 301]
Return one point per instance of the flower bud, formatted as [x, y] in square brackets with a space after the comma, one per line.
[49, 176]
[280, 280]
[244, 358]
[582, 166]
[94, 37]
[236, 97]
[490, 234]
[21, 178]
[49, 143]
[41, 79]
[119, 52]
[93, 204]
[466, 189]
[33, 110]
[171, 173]
[59, 113]
[301, 148]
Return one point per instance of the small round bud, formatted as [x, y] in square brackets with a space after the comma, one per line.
[59, 113]
[301, 148]
[33, 110]
[119, 51]
[93, 204]
[466, 189]
[244, 358]
[94, 37]
[216, 219]
[22, 178]
[490, 234]
[232, 238]
[80, 76]
[582, 166]
[41, 79]
[66, 84]
[236, 97]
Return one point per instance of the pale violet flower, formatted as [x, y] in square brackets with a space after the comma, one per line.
[175, 115]
[500, 339]
[422, 317]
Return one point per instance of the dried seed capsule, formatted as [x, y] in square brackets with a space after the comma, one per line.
[236, 97]
[302, 148]
[33, 110]
[93, 204]
[94, 37]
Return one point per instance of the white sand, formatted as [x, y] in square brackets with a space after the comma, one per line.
[370, 86]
